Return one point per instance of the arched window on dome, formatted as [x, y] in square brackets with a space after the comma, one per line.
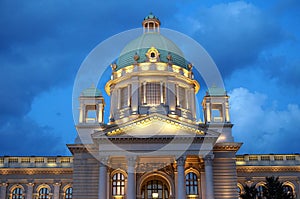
[44, 193]
[17, 193]
[118, 184]
[68, 193]
[191, 184]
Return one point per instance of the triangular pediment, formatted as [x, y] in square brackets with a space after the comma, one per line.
[155, 125]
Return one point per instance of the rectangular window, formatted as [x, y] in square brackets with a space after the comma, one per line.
[278, 157]
[124, 97]
[39, 160]
[13, 160]
[153, 93]
[253, 158]
[182, 102]
[290, 157]
[265, 158]
[25, 160]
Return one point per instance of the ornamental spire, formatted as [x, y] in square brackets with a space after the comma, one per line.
[151, 23]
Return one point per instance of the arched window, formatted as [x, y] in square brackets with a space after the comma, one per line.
[288, 190]
[44, 193]
[68, 193]
[191, 184]
[118, 184]
[156, 187]
[239, 189]
[17, 193]
[260, 191]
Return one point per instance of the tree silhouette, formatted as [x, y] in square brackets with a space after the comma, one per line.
[249, 192]
[274, 189]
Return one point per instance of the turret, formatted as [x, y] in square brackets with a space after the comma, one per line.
[91, 106]
[216, 106]
[216, 113]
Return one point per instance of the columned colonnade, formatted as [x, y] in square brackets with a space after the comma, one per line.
[179, 178]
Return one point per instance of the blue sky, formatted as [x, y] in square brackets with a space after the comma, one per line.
[255, 45]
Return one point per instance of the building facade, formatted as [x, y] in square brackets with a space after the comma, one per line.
[152, 146]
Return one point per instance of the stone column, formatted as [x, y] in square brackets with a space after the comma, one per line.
[102, 193]
[203, 185]
[297, 190]
[29, 191]
[3, 190]
[56, 190]
[131, 191]
[176, 185]
[208, 161]
[180, 178]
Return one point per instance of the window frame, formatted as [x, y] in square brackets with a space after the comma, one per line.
[44, 195]
[118, 184]
[19, 194]
[191, 183]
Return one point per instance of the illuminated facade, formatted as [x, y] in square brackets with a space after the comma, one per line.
[152, 146]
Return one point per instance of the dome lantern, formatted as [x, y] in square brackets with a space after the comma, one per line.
[151, 23]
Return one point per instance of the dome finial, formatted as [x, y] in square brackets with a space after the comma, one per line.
[151, 23]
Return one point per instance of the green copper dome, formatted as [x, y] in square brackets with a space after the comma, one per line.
[142, 44]
[150, 16]
[91, 92]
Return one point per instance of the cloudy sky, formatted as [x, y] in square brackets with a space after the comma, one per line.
[255, 45]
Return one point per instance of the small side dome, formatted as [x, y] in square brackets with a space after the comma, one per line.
[91, 92]
[150, 16]
[216, 91]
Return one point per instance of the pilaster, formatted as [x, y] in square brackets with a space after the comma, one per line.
[103, 178]
[29, 190]
[208, 161]
[3, 190]
[225, 175]
[131, 164]
[180, 178]
[56, 190]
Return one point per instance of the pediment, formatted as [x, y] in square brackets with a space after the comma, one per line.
[155, 125]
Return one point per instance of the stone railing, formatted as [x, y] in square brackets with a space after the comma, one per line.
[268, 159]
[36, 161]
[152, 67]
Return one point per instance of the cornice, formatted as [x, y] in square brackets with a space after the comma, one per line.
[34, 171]
[251, 169]
[81, 148]
[227, 146]
[154, 139]
[192, 128]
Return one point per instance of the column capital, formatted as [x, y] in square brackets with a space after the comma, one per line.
[104, 160]
[131, 164]
[30, 184]
[56, 184]
[181, 161]
[3, 184]
[131, 160]
[208, 159]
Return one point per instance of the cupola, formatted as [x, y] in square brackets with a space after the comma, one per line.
[151, 23]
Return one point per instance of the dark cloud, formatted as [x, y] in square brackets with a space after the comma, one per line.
[44, 42]
[234, 34]
[42, 46]
[25, 136]
[282, 69]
